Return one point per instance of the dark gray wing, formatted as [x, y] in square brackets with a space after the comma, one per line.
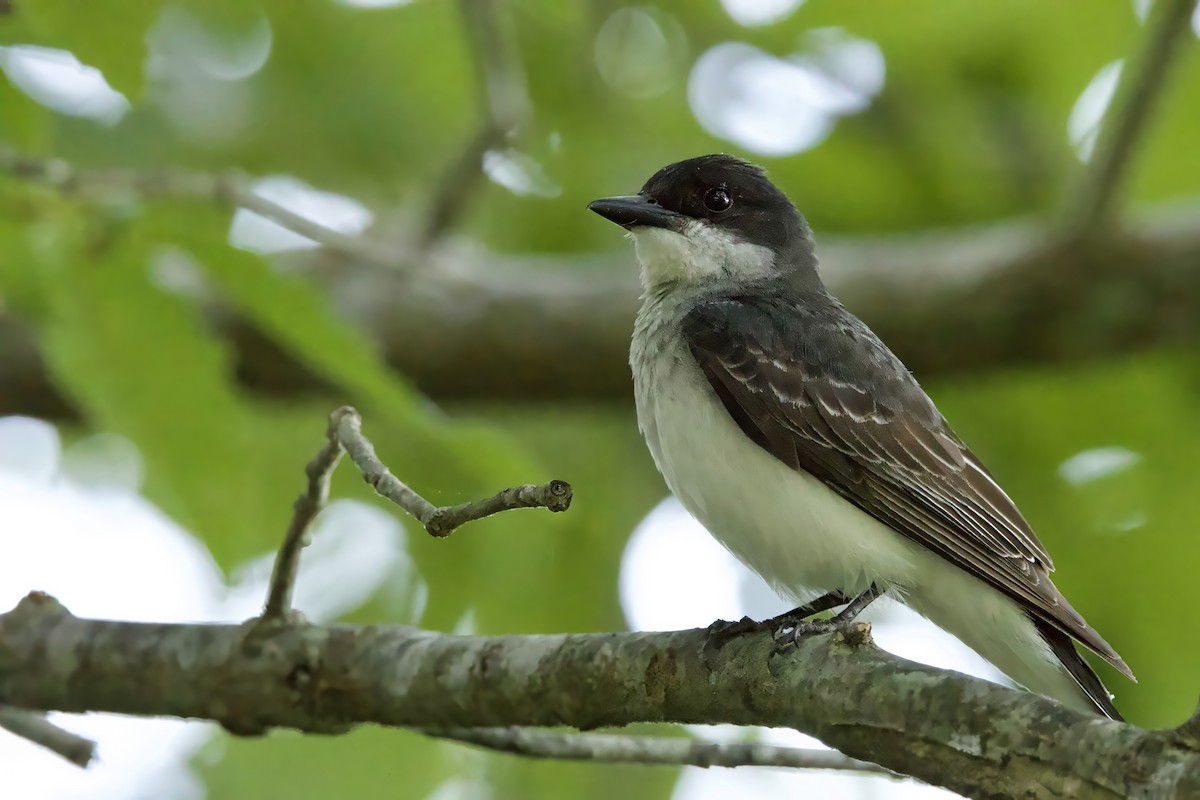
[819, 391]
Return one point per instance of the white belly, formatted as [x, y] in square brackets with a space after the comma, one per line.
[785, 525]
[804, 539]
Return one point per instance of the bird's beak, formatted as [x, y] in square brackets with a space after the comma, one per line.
[630, 211]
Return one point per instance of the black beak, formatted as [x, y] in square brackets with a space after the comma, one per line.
[632, 210]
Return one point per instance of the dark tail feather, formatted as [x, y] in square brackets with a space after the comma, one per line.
[1063, 648]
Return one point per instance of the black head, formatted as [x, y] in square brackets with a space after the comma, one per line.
[720, 190]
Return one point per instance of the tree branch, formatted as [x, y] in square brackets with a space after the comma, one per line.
[613, 748]
[503, 104]
[231, 187]
[439, 521]
[36, 728]
[946, 301]
[1142, 82]
[344, 435]
[606, 747]
[306, 508]
[945, 728]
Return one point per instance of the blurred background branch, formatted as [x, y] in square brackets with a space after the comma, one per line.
[217, 221]
[34, 726]
[550, 327]
[503, 108]
[1143, 80]
[620, 749]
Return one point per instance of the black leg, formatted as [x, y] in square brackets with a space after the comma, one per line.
[822, 603]
[725, 631]
[803, 628]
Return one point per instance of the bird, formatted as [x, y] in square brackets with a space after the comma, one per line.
[805, 446]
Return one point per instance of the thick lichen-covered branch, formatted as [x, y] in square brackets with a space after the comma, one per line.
[942, 727]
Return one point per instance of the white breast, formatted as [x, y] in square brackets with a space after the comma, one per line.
[785, 525]
[798, 535]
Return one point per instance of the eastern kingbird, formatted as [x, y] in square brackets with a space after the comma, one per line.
[801, 442]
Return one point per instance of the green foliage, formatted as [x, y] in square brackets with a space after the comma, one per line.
[376, 103]
[1122, 542]
[138, 362]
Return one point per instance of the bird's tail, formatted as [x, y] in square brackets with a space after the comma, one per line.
[1036, 655]
[1064, 650]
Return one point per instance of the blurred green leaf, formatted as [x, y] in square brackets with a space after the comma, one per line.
[139, 362]
[291, 312]
[376, 103]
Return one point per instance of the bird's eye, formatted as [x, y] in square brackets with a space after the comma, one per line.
[718, 199]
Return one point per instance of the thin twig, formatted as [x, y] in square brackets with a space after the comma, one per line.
[344, 435]
[615, 748]
[503, 104]
[307, 506]
[238, 190]
[1142, 80]
[439, 521]
[34, 726]
[231, 187]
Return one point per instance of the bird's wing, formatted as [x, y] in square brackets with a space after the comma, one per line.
[822, 394]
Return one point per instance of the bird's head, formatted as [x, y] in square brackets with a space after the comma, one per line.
[713, 220]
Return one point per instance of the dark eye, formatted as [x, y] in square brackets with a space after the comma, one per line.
[718, 199]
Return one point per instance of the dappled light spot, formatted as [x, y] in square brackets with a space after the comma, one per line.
[256, 233]
[1134, 521]
[754, 13]
[459, 788]
[196, 75]
[375, 3]
[181, 41]
[103, 554]
[1091, 465]
[640, 51]
[177, 272]
[1112, 501]
[113, 554]
[57, 80]
[1083, 126]
[674, 575]
[781, 106]
[356, 549]
[29, 448]
[519, 173]
[722, 784]
[104, 461]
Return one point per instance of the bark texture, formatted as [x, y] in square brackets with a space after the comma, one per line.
[944, 728]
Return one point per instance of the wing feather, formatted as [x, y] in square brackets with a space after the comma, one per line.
[822, 394]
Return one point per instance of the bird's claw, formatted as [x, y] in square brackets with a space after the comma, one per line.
[723, 631]
[790, 635]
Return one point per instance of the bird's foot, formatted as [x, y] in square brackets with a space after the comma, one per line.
[722, 632]
[795, 629]
[790, 635]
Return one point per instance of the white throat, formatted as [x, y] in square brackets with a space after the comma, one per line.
[697, 254]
